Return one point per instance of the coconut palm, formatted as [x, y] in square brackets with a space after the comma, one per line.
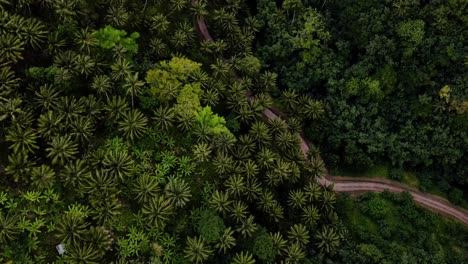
[267, 81]
[82, 253]
[164, 117]
[235, 185]
[297, 199]
[299, 234]
[260, 133]
[100, 183]
[328, 199]
[22, 139]
[82, 129]
[252, 189]
[210, 97]
[120, 69]
[279, 243]
[10, 108]
[226, 241]
[196, 250]
[47, 97]
[8, 81]
[93, 108]
[198, 9]
[202, 132]
[250, 168]
[133, 124]
[328, 240]
[118, 163]
[85, 39]
[62, 148]
[84, 64]
[224, 141]
[265, 200]
[116, 107]
[11, 48]
[220, 201]
[238, 211]
[71, 228]
[145, 188]
[294, 253]
[313, 191]
[42, 177]
[8, 227]
[248, 227]
[75, 174]
[178, 4]
[177, 191]
[157, 212]
[290, 99]
[186, 121]
[102, 84]
[243, 258]
[117, 15]
[19, 166]
[202, 152]
[70, 108]
[310, 215]
[133, 86]
[105, 209]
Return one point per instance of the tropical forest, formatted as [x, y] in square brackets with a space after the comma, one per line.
[234, 131]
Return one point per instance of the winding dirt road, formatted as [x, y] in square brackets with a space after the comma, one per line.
[358, 185]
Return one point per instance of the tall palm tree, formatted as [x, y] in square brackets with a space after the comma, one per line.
[75, 174]
[250, 169]
[121, 69]
[235, 185]
[8, 81]
[93, 108]
[199, 9]
[145, 188]
[82, 253]
[299, 234]
[290, 99]
[294, 253]
[71, 228]
[267, 81]
[260, 133]
[279, 243]
[313, 191]
[100, 183]
[70, 108]
[226, 241]
[310, 215]
[328, 200]
[133, 86]
[84, 64]
[23, 140]
[177, 191]
[62, 148]
[82, 129]
[164, 117]
[116, 107]
[19, 166]
[252, 189]
[133, 124]
[11, 48]
[157, 212]
[220, 201]
[265, 158]
[42, 177]
[224, 141]
[297, 199]
[202, 152]
[8, 227]
[196, 250]
[105, 209]
[117, 15]
[328, 240]
[86, 39]
[47, 96]
[247, 227]
[238, 211]
[102, 84]
[118, 163]
[243, 258]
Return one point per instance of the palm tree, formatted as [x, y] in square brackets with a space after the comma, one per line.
[248, 227]
[316, 168]
[235, 185]
[286, 140]
[177, 192]
[220, 201]
[84, 64]
[252, 189]
[328, 199]
[265, 200]
[120, 69]
[19, 166]
[55, 43]
[247, 143]
[164, 117]
[226, 241]
[196, 250]
[8, 227]
[115, 107]
[220, 69]
[223, 163]
[250, 168]
[23, 140]
[145, 188]
[133, 124]
[157, 212]
[8, 81]
[102, 84]
[42, 177]
[93, 108]
[100, 184]
[117, 15]
[118, 163]
[312, 108]
[202, 132]
[265, 158]
[62, 148]
[186, 120]
[179, 39]
[133, 86]
[47, 96]
[313, 191]
[328, 240]
[199, 9]
[86, 39]
[276, 212]
[279, 243]
[202, 152]
[158, 47]
[70, 108]
[238, 211]
[290, 99]
[11, 48]
[105, 208]
[82, 129]
[178, 4]
[267, 81]
[210, 97]
[75, 174]
[310, 215]
[260, 133]
[82, 253]
[241, 258]
[299, 234]
[71, 228]
[10, 108]
[297, 199]
[224, 141]
[294, 253]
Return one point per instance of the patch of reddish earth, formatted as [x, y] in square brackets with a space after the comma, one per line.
[361, 185]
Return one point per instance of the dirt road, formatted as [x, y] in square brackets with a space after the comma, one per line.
[357, 185]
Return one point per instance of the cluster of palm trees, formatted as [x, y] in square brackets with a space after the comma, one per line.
[94, 152]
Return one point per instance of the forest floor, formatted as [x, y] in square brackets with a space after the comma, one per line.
[362, 184]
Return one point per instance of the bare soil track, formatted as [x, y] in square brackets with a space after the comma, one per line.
[361, 185]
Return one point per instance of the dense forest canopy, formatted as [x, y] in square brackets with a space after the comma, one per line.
[128, 137]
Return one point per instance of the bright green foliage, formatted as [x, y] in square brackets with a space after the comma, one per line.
[215, 123]
[109, 37]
